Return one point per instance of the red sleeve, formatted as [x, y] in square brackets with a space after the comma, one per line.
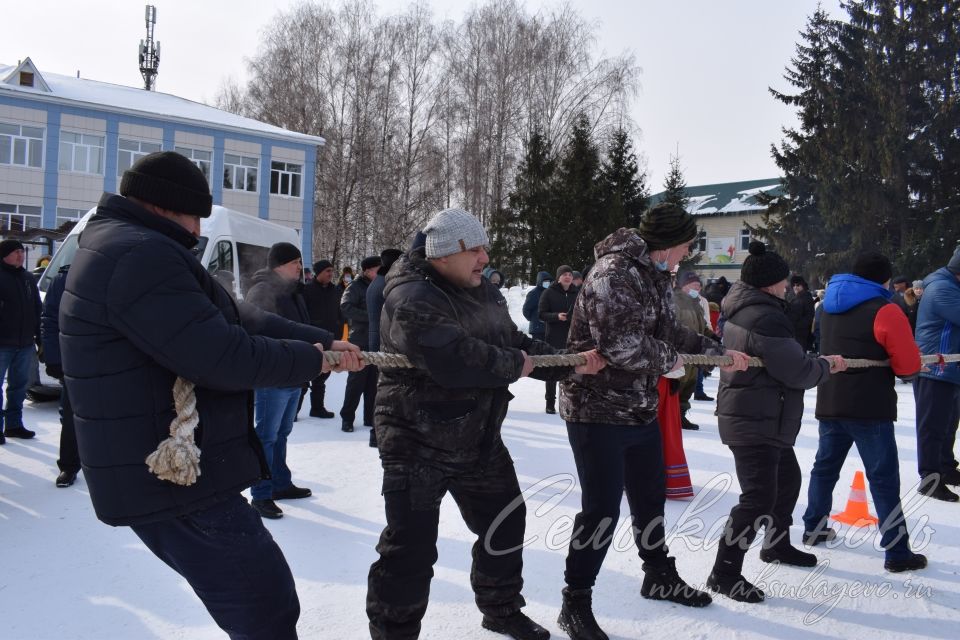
[892, 330]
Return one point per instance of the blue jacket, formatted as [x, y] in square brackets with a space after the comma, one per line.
[532, 304]
[938, 323]
[50, 321]
[846, 291]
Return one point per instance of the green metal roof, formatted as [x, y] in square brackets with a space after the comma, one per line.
[727, 198]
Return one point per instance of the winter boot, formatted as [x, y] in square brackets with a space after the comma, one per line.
[373, 438]
[347, 426]
[576, 616]
[517, 625]
[931, 486]
[317, 410]
[823, 533]
[734, 587]
[19, 432]
[551, 407]
[912, 562]
[689, 426]
[788, 554]
[662, 582]
[951, 476]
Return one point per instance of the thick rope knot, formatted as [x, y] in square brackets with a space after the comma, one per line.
[177, 459]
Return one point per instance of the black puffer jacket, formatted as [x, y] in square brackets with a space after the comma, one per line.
[467, 351]
[353, 308]
[272, 293]
[19, 308]
[554, 301]
[764, 405]
[801, 310]
[139, 310]
[323, 306]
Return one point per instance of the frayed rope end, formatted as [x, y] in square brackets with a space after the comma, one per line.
[176, 460]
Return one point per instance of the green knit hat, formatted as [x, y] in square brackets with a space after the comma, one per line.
[667, 225]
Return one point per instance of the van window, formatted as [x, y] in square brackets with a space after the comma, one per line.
[222, 258]
[250, 259]
[64, 256]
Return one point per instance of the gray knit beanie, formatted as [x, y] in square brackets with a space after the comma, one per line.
[452, 231]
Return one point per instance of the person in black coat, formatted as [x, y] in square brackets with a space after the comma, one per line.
[277, 289]
[531, 307]
[438, 430]
[375, 302]
[19, 336]
[801, 310]
[139, 310]
[363, 383]
[555, 310]
[323, 305]
[69, 460]
[759, 412]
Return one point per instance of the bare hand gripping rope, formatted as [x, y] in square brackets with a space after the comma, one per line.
[177, 459]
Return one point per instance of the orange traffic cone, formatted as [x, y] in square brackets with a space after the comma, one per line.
[857, 513]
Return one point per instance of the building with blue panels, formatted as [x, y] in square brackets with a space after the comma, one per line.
[65, 140]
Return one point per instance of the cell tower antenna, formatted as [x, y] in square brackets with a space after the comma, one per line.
[149, 51]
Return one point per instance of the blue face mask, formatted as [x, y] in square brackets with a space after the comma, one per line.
[546, 284]
[661, 266]
[694, 293]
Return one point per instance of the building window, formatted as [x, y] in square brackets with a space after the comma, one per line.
[65, 215]
[240, 172]
[131, 151]
[26, 79]
[81, 152]
[20, 145]
[17, 217]
[285, 178]
[744, 239]
[199, 157]
[700, 244]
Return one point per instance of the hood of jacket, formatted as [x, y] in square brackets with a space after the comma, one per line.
[627, 242]
[542, 276]
[742, 295]
[940, 274]
[846, 291]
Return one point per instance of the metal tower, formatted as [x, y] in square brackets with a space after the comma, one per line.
[149, 52]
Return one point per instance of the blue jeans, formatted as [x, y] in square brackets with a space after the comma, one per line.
[15, 365]
[275, 409]
[233, 565]
[878, 450]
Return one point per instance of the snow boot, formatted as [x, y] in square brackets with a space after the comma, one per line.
[912, 562]
[734, 587]
[516, 625]
[662, 582]
[576, 615]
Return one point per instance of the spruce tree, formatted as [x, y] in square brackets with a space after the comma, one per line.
[624, 185]
[675, 185]
[531, 205]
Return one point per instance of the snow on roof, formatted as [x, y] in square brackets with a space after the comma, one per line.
[150, 104]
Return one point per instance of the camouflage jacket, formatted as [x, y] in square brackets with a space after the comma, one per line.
[625, 310]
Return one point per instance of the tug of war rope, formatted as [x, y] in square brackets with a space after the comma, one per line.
[177, 459]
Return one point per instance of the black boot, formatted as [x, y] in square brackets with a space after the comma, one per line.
[317, 410]
[689, 426]
[373, 438]
[662, 582]
[576, 615]
[788, 554]
[931, 486]
[823, 533]
[735, 587]
[551, 407]
[347, 426]
[912, 562]
[516, 625]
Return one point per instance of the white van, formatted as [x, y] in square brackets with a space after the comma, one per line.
[230, 242]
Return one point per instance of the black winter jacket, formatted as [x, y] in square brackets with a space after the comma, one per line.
[353, 307]
[375, 300]
[139, 310]
[50, 319]
[448, 411]
[531, 306]
[553, 302]
[801, 310]
[272, 293]
[323, 306]
[19, 308]
[763, 405]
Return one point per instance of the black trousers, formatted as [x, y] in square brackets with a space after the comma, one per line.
[937, 417]
[769, 479]
[360, 383]
[233, 565]
[491, 506]
[611, 458]
[69, 459]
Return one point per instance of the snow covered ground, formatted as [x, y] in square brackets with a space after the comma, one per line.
[65, 575]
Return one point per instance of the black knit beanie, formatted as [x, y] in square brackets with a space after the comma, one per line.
[387, 258]
[667, 225]
[9, 246]
[170, 181]
[873, 266]
[763, 268]
[321, 265]
[562, 269]
[282, 253]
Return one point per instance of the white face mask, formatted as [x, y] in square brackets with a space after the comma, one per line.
[347, 279]
[694, 293]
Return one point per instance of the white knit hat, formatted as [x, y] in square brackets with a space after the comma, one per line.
[452, 231]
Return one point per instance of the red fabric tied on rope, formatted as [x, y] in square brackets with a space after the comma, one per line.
[679, 485]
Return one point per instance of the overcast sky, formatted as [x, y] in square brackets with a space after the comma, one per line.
[706, 64]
